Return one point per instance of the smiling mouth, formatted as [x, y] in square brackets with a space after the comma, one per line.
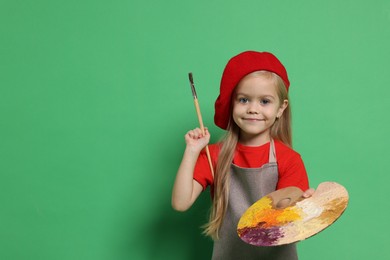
[253, 119]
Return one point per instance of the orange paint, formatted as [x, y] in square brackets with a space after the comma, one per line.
[267, 216]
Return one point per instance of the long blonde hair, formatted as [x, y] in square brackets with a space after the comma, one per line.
[281, 130]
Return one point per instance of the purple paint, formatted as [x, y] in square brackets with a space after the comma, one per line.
[259, 236]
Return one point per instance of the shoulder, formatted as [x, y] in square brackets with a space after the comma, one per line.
[291, 168]
[214, 152]
[288, 159]
[283, 151]
[215, 148]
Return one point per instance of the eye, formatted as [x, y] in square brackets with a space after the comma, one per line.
[243, 100]
[264, 101]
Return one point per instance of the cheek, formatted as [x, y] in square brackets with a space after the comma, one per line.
[236, 109]
[236, 112]
[274, 112]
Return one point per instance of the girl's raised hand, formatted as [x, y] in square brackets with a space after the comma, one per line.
[195, 140]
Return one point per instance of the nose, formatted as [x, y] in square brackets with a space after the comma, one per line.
[253, 108]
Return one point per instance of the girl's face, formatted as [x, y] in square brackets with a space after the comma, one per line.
[256, 106]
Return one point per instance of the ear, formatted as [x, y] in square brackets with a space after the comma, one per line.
[283, 106]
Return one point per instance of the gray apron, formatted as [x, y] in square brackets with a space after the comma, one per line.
[247, 185]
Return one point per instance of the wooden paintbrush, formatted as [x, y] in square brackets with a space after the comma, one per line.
[197, 108]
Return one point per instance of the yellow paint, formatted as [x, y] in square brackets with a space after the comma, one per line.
[289, 214]
[251, 217]
[262, 212]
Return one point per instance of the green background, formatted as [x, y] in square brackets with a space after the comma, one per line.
[95, 101]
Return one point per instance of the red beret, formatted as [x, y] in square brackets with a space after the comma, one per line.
[238, 67]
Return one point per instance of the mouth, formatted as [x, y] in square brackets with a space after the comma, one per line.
[252, 119]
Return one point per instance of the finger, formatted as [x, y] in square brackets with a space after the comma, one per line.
[191, 134]
[308, 193]
[198, 133]
[195, 133]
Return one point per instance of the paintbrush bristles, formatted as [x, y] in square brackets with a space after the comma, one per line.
[192, 85]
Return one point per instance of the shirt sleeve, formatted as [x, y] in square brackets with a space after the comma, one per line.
[202, 171]
[292, 172]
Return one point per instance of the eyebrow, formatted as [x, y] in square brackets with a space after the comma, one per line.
[246, 95]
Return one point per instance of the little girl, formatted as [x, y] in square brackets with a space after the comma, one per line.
[253, 159]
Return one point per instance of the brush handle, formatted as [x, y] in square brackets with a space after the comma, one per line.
[197, 108]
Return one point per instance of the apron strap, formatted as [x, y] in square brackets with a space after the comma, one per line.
[272, 154]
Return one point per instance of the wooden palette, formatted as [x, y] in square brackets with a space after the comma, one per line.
[284, 216]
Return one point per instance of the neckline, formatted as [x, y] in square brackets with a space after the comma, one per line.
[252, 148]
[270, 146]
